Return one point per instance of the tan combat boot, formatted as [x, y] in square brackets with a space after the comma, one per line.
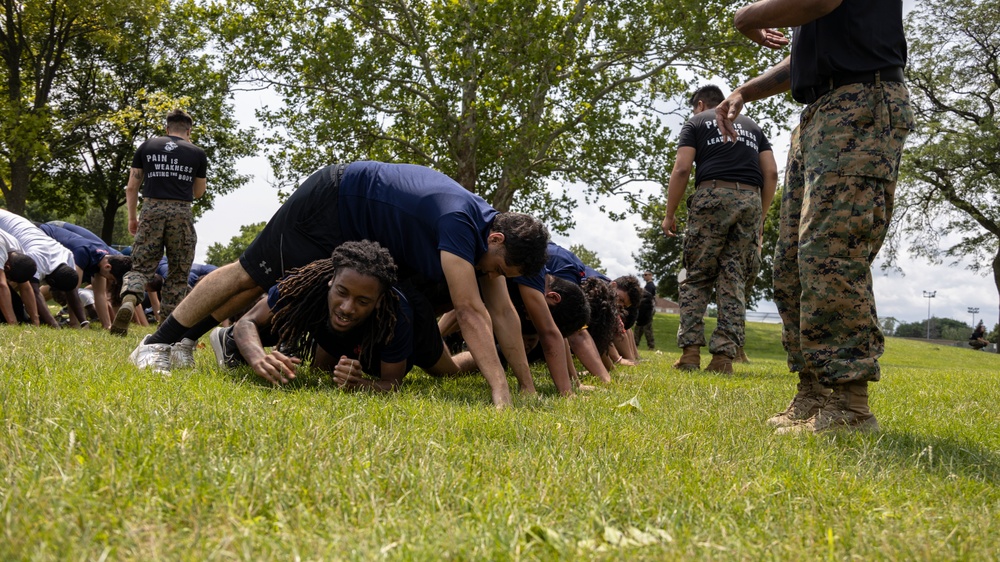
[741, 356]
[690, 359]
[721, 364]
[808, 400]
[846, 408]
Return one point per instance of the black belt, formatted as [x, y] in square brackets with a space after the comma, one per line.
[811, 94]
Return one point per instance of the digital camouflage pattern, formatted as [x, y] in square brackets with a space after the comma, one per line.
[721, 232]
[835, 209]
[164, 225]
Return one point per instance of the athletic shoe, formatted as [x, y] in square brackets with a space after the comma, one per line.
[182, 354]
[227, 354]
[153, 355]
[124, 316]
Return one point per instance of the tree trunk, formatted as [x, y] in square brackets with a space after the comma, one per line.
[20, 177]
[996, 282]
[109, 210]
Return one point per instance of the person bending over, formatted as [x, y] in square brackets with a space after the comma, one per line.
[346, 316]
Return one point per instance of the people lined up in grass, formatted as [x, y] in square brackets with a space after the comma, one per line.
[347, 315]
[435, 230]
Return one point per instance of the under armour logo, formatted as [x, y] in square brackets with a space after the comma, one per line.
[264, 266]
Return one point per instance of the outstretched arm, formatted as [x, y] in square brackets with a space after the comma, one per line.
[774, 81]
[553, 344]
[475, 323]
[507, 328]
[275, 366]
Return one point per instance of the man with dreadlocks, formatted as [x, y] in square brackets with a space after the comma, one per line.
[435, 230]
[345, 315]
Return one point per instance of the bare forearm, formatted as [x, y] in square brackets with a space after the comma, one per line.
[554, 348]
[774, 81]
[781, 13]
[478, 336]
[246, 334]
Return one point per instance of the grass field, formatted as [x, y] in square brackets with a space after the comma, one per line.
[101, 461]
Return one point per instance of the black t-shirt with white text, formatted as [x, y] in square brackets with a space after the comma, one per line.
[170, 165]
[715, 159]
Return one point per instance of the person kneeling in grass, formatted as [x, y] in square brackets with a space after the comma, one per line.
[345, 315]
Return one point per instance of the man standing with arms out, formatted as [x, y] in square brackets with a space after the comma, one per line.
[435, 230]
[734, 183]
[846, 64]
[171, 171]
[644, 320]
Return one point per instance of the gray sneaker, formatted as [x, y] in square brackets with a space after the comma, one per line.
[124, 316]
[156, 356]
[182, 354]
[227, 354]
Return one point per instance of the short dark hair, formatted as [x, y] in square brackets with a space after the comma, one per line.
[630, 284]
[572, 312]
[525, 240]
[178, 119]
[710, 94]
[22, 267]
[120, 265]
[63, 278]
[155, 284]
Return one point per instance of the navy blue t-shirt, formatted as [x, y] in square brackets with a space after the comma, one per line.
[716, 159]
[77, 229]
[415, 213]
[86, 253]
[199, 270]
[400, 348]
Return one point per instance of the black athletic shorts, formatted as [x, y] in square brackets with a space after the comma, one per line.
[304, 229]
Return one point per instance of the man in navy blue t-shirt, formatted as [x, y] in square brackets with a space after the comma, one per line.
[435, 230]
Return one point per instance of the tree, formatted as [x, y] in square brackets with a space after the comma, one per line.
[509, 97]
[941, 328]
[221, 255]
[950, 173]
[36, 40]
[588, 257]
[116, 95]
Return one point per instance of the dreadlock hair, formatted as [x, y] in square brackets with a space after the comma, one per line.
[22, 267]
[603, 312]
[301, 310]
[572, 311]
[630, 284]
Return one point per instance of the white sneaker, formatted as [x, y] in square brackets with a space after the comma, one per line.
[153, 355]
[182, 354]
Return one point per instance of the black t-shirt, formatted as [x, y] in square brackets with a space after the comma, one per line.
[716, 159]
[170, 165]
[858, 36]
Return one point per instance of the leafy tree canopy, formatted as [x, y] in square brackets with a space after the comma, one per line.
[512, 98]
[588, 257]
[950, 174]
[221, 255]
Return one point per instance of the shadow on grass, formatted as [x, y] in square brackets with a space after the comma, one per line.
[940, 456]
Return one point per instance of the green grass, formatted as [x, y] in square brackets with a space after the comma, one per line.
[99, 460]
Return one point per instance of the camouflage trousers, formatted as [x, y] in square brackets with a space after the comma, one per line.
[164, 226]
[644, 330]
[839, 185]
[721, 233]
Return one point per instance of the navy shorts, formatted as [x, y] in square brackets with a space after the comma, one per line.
[304, 229]
[427, 343]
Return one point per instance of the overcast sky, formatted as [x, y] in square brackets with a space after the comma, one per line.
[899, 296]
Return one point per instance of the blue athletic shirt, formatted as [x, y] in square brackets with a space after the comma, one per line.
[349, 344]
[86, 253]
[415, 213]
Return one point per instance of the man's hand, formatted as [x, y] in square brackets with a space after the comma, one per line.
[726, 112]
[133, 226]
[770, 38]
[347, 372]
[669, 225]
[276, 367]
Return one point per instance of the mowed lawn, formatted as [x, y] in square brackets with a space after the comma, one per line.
[101, 461]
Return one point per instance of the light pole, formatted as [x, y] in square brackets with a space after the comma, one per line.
[973, 311]
[929, 295]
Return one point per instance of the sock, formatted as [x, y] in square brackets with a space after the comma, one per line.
[170, 331]
[201, 328]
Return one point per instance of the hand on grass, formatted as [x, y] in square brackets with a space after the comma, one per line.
[276, 367]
